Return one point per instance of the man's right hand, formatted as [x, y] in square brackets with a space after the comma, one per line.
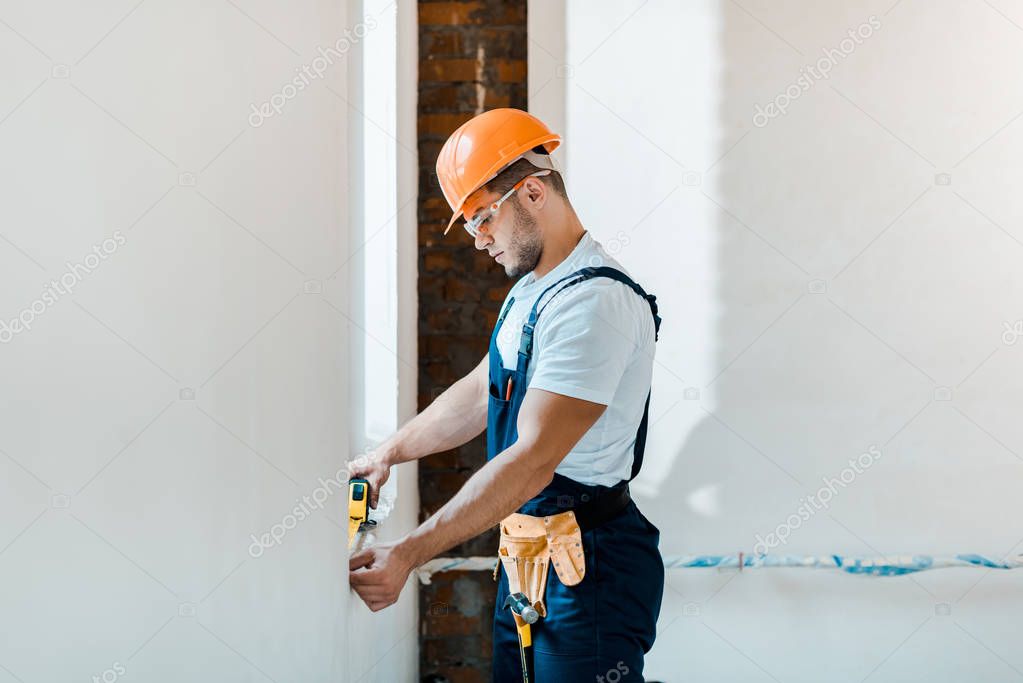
[373, 469]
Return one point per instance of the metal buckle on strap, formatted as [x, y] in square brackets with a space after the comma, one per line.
[526, 341]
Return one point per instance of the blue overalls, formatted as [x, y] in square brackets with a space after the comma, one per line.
[601, 628]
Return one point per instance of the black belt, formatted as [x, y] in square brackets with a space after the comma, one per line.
[603, 509]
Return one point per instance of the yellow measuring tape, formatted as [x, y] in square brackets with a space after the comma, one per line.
[358, 507]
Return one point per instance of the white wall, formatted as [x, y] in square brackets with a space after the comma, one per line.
[196, 383]
[822, 291]
[384, 646]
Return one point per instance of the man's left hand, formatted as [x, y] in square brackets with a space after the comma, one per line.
[383, 571]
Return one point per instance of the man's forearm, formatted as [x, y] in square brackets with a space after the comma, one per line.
[548, 427]
[455, 417]
[495, 491]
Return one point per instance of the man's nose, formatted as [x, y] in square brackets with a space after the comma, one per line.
[483, 240]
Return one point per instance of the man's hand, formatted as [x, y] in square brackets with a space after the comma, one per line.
[375, 469]
[549, 425]
[383, 571]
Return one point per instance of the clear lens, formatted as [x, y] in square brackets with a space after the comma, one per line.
[472, 226]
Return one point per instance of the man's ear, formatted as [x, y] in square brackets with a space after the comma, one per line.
[536, 191]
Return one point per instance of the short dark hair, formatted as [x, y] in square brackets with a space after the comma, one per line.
[519, 170]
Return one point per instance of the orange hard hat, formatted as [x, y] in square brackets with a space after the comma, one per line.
[483, 146]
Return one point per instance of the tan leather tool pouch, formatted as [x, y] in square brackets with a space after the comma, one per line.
[530, 544]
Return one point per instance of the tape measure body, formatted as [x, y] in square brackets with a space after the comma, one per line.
[358, 507]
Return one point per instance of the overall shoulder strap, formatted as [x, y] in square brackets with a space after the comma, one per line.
[613, 274]
[504, 313]
[526, 342]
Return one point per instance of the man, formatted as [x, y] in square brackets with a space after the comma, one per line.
[563, 394]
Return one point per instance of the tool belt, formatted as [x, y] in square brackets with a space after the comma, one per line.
[530, 544]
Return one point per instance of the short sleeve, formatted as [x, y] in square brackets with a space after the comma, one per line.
[586, 338]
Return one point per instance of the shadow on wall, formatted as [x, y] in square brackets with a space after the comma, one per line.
[850, 400]
[831, 352]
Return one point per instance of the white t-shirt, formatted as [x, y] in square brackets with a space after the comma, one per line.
[594, 341]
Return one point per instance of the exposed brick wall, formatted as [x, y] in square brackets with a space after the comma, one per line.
[472, 57]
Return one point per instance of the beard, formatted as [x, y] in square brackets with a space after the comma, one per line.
[526, 245]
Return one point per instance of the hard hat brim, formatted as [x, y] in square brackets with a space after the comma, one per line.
[542, 161]
[454, 218]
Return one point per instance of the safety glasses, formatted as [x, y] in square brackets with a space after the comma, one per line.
[473, 225]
